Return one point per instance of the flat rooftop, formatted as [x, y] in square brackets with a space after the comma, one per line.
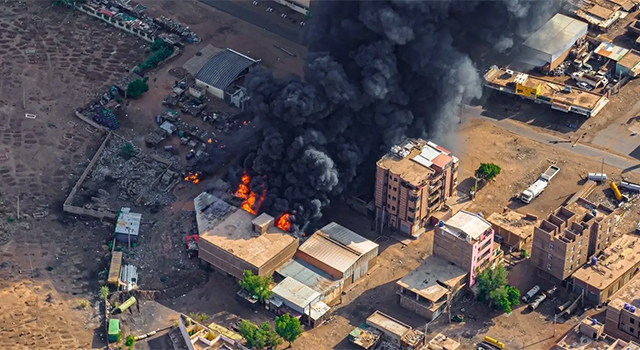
[549, 89]
[514, 222]
[441, 341]
[619, 258]
[231, 229]
[426, 279]
[629, 294]
[575, 340]
[387, 323]
[416, 160]
[470, 224]
[558, 33]
[630, 60]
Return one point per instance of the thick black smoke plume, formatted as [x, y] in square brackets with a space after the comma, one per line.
[376, 71]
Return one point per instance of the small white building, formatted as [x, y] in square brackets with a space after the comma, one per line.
[127, 225]
[222, 70]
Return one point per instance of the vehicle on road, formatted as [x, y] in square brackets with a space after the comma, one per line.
[584, 85]
[539, 186]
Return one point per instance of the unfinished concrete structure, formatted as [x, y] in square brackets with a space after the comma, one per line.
[466, 240]
[398, 334]
[232, 240]
[512, 229]
[428, 289]
[610, 271]
[413, 181]
[569, 237]
[590, 334]
[623, 313]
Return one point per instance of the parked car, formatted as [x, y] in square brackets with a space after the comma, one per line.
[586, 86]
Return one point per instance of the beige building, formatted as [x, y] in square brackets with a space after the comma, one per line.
[589, 334]
[623, 313]
[232, 240]
[413, 181]
[429, 288]
[569, 237]
[395, 332]
[611, 271]
[512, 229]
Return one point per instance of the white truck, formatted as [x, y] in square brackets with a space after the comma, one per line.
[538, 187]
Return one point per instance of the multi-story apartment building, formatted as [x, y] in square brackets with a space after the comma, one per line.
[569, 237]
[413, 181]
[622, 318]
[465, 240]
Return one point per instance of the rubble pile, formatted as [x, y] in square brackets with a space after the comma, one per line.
[119, 180]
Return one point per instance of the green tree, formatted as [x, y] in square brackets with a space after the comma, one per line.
[136, 88]
[500, 299]
[488, 171]
[127, 151]
[490, 280]
[271, 336]
[257, 286]
[514, 295]
[252, 334]
[288, 328]
[524, 253]
[104, 292]
[130, 341]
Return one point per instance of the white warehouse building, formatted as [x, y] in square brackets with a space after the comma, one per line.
[223, 70]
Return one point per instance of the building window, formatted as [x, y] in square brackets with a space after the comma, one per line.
[395, 179]
[395, 188]
[608, 230]
[413, 199]
[549, 266]
[579, 243]
[389, 196]
[550, 256]
[609, 221]
[394, 198]
[389, 186]
[632, 320]
[411, 210]
[410, 219]
[570, 267]
[572, 249]
[632, 330]
[551, 246]
[393, 208]
[571, 259]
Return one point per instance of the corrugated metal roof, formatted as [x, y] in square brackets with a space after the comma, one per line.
[295, 292]
[327, 251]
[387, 323]
[557, 35]
[308, 275]
[224, 68]
[349, 238]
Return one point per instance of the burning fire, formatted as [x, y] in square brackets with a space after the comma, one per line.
[194, 178]
[209, 141]
[283, 222]
[251, 201]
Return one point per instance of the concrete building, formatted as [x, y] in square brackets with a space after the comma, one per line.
[340, 252]
[569, 237]
[608, 273]
[629, 64]
[232, 240]
[300, 6]
[197, 336]
[623, 313]
[601, 15]
[296, 299]
[442, 342]
[512, 229]
[543, 90]
[589, 334]
[395, 332]
[329, 288]
[413, 181]
[222, 70]
[550, 45]
[466, 240]
[610, 51]
[431, 286]
[127, 226]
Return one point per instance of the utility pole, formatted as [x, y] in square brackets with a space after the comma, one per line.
[555, 319]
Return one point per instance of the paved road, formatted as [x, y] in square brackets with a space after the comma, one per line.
[626, 164]
[257, 16]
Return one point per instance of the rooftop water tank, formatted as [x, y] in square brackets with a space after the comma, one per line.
[594, 261]
[632, 309]
[626, 306]
[594, 322]
[440, 223]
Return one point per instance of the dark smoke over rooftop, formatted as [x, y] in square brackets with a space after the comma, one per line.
[376, 71]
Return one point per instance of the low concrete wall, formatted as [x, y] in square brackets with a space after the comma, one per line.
[91, 122]
[69, 208]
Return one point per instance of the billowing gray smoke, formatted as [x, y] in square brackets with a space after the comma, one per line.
[376, 71]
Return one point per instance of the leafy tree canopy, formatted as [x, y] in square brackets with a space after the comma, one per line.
[257, 286]
[488, 171]
[259, 337]
[288, 328]
[136, 88]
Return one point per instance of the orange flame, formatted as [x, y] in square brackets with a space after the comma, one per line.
[246, 122]
[251, 203]
[283, 222]
[194, 178]
[209, 141]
